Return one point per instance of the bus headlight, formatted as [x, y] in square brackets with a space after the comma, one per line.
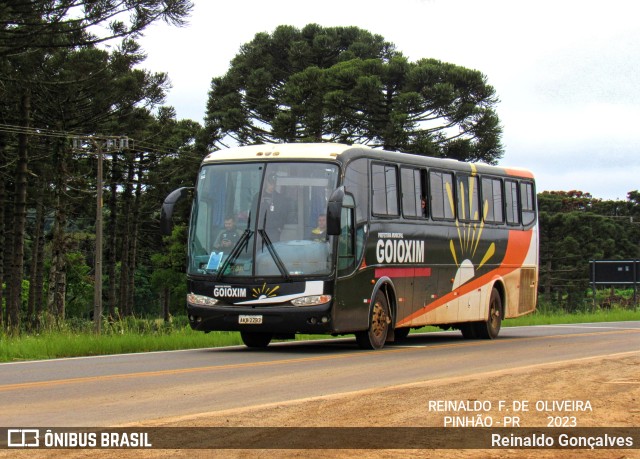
[311, 300]
[201, 300]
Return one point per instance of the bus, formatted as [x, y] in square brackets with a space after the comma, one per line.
[336, 239]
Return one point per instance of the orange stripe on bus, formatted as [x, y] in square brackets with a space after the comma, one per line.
[520, 173]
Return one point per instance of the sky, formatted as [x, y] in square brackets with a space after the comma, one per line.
[567, 72]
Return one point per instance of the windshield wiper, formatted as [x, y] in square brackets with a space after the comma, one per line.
[274, 254]
[266, 239]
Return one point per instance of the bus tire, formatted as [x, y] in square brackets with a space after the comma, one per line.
[379, 320]
[469, 330]
[490, 328]
[256, 339]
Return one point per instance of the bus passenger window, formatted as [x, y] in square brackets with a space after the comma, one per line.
[468, 196]
[384, 189]
[413, 193]
[441, 194]
[511, 200]
[527, 200]
[492, 200]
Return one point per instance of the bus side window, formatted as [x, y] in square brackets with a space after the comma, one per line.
[414, 203]
[384, 189]
[356, 182]
[346, 243]
[468, 197]
[527, 200]
[512, 202]
[441, 194]
[492, 200]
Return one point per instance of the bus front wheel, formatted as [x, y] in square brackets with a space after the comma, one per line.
[256, 339]
[376, 335]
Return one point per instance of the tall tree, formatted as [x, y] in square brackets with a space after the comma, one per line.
[19, 216]
[38, 41]
[47, 24]
[3, 225]
[346, 84]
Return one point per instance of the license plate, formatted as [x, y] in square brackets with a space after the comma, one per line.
[254, 320]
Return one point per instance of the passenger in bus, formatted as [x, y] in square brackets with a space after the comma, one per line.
[319, 233]
[423, 206]
[227, 238]
[274, 209]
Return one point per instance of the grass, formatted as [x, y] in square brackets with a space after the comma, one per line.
[76, 339]
[58, 344]
[600, 315]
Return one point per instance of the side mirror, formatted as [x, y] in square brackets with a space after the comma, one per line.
[339, 199]
[166, 215]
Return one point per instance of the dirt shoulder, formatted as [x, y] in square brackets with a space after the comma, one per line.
[610, 385]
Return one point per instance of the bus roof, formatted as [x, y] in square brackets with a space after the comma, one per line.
[281, 151]
[332, 151]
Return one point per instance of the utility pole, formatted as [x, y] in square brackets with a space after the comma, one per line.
[97, 286]
[101, 144]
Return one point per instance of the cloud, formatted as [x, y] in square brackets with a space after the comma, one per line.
[566, 72]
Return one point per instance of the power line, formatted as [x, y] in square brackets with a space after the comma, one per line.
[139, 146]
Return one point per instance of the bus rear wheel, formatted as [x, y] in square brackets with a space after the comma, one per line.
[256, 339]
[490, 328]
[376, 335]
[469, 330]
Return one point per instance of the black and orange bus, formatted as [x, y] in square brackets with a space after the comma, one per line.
[326, 238]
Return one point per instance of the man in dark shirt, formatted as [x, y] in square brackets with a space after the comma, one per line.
[228, 237]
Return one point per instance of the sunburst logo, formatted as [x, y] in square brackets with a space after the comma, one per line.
[469, 234]
[264, 291]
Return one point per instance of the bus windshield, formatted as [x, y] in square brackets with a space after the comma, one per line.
[262, 219]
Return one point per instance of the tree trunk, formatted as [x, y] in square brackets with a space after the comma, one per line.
[38, 291]
[57, 274]
[20, 219]
[8, 251]
[2, 239]
[34, 304]
[165, 299]
[135, 228]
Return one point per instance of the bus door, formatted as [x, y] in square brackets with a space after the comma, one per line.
[353, 289]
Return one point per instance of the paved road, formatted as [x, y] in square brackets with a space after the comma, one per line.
[113, 390]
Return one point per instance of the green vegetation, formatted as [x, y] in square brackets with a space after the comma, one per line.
[66, 99]
[59, 344]
[599, 315]
[349, 85]
[71, 108]
[130, 335]
[138, 335]
[575, 228]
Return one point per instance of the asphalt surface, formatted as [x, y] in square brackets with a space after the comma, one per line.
[120, 389]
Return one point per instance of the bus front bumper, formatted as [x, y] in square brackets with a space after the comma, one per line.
[272, 319]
